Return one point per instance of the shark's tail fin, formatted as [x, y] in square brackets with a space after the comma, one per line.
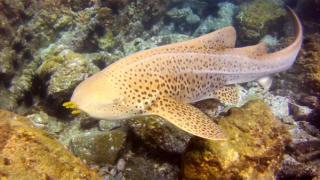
[284, 58]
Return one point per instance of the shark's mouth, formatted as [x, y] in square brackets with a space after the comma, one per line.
[73, 107]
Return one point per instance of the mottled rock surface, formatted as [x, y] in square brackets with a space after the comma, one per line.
[303, 79]
[29, 153]
[145, 168]
[157, 133]
[99, 147]
[308, 64]
[66, 74]
[254, 149]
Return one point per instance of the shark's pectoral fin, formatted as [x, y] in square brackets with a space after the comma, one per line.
[227, 95]
[188, 118]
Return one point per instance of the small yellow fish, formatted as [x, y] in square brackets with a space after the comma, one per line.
[163, 81]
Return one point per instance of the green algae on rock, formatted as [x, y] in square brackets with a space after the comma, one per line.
[30, 153]
[6, 60]
[107, 41]
[254, 149]
[256, 17]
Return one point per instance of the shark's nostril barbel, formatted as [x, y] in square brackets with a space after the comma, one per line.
[73, 106]
[69, 105]
[75, 112]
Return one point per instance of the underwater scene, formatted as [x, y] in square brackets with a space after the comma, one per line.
[159, 89]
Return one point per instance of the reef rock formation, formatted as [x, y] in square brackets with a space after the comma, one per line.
[306, 69]
[309, 64]
[145, 168]
[30, 153]
[256, 17]
[99, 147]
[66, 69]
[254, 150]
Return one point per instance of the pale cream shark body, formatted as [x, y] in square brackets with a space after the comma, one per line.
[164, 80]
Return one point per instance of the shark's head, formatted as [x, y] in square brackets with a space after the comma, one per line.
[97, 97]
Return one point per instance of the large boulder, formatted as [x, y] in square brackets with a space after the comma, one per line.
[99, 147]
[30, 153]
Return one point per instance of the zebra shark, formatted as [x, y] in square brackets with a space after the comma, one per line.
[163, 81]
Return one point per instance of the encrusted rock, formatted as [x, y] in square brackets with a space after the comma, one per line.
[193, 19]
[30, 153]
[293, 169]
[107, 41]
[99, 147]
[66, 69]
[302, 156]
[254, 149]
[6, 60]
[256, 17]
[308, 64]
[179, 14]
[47, 122]
[140, 167]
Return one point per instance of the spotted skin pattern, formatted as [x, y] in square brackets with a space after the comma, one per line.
[163, 81]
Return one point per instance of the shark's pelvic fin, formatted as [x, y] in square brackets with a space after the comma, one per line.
[188, 118]
[265, 82]
[227, 95]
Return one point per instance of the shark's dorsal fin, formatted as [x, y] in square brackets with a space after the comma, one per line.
[188, 118]
[212, 42]
[219, 39]
[250, 51]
